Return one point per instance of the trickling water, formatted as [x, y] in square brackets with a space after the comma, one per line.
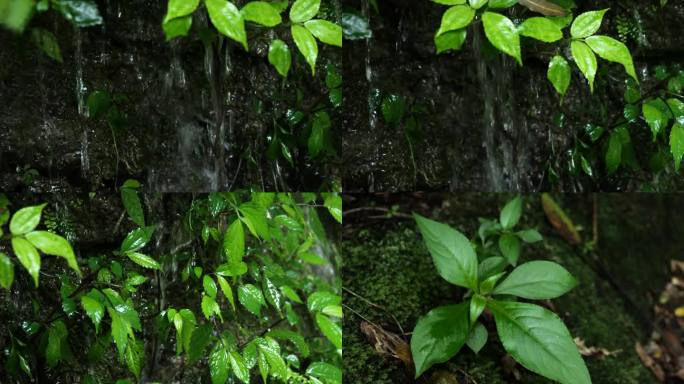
[504, 136]
[81, 102]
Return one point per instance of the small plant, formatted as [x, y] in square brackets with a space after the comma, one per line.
[531, 334]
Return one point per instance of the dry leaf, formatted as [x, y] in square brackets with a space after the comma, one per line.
[560, 221]
[649, 363]
[387, 343]
[593, 351]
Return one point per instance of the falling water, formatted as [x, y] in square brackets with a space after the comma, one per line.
[505, 136]
[81, 102]
[215, 128]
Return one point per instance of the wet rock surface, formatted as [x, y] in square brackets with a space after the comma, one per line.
[198, 118]
[491, 125]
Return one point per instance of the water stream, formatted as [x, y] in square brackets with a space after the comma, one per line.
[80, 90]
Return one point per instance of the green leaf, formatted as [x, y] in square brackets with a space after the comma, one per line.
[477, 338]
[28, 256]
[613, 50]
[296, 339]
[135, 357]
[542, 29]
[330, 329]
[227, 19]
[333, 202]
[452, 40]
[210, 307]
[325, 31]
[16, 14]
[585, 60]
[143, 260]
[120, 331]
[137, 238]
[131, 201]
[7, 271]
[393, 107]
[26, 219]
[232, 269]
[537, 280]
[509, 245]
[491, 266]
[93, 309]
[503, 34]
[439, 335]
[280, 57]
[261, 12]
[319, 130]
[526, 331]
[511, 212]
[177, 27]
[81, 13]
[98, 104]
[209, 286]
[180, 8]
[328, 373]
[530, 236]
[56, 338]
[227, 290]
[477, 4]
[55, 245]
[449, 2]
[321, 299]
[291, 294]
[271, 293]
[677, 144]
[254, 217]
[271, 351]
[477, 305]
[239, 368]
[501, 4]
[200, 339]
[613, 153]
[303, 10]
[655, 118]
[451, 252]
[251, 298]
[587, 24]
[234, 242]
[47, 42]
[306, 44]
[218, 364]
[456, 17]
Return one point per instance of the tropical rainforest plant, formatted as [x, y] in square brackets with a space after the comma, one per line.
[250, 306]
[505, 35]
[230, 21]
[531, 334]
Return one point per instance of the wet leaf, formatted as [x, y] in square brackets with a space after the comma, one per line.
[330, 329]
[306, 44]
[280, 57]
[525, 330]
[303, 10]
[55, 245]
[452, 40]
[451, 252]
[261, 12]
[503, 34]
[6, 271]
[28, 256]
[328, 373]
[677, 144]
[26, 219]
[585, 60]
[542, 29]
[177, 27]
[559, 74]
[209, 286]
[587, 24]
[457, 17]
[143, 260]
[82, 13]
[234, 242]
[613, 50]
[199, 341]
[439, 335]
[47, 42]
[137, 238]
[218, 364]
[251, 298]
[227, 19]
[325, 31]
[94, 310]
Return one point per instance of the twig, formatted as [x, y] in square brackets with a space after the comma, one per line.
[376, 306]
[378, 209]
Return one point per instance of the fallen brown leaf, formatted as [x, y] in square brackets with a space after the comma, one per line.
[649, 363]
[594, 351]
[387, 343]
[560, 221]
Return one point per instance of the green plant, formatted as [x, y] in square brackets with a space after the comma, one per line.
[230, 22]
[531, 334]
[247, 303]
[505, 35]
